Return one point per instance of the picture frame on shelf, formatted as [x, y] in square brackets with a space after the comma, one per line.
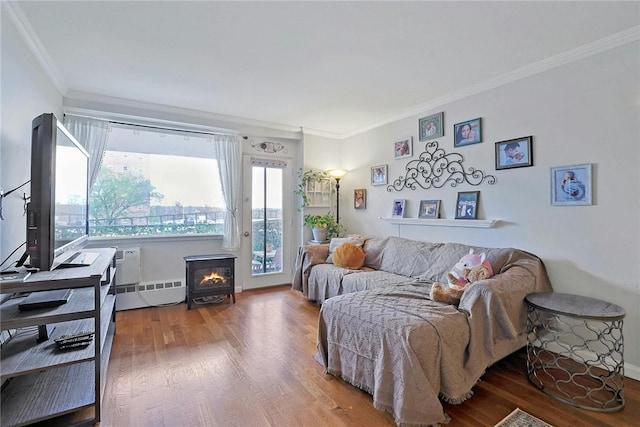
[514, 153]
[467, 205]
[467, 133]
[430, 127]
[360, 198]
[429, 209]
[403, 147]
[398, 208]
[379, 175]
[571, 185]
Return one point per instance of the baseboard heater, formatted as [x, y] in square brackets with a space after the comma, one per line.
[150, 294]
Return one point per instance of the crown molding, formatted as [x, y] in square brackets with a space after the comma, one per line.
[607, 43]
[33, 42]
[121, 109]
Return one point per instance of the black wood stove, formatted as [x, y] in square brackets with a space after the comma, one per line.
[208, 276]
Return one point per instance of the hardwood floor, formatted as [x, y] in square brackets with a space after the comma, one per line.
[251, 364]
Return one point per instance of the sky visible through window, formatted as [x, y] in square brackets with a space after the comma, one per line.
[179, 167]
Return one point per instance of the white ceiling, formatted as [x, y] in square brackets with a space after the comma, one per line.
[334, 68]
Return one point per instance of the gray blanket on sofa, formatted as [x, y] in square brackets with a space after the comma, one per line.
[408, 351]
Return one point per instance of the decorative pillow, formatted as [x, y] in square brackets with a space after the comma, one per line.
[337, 241]
[348, 255]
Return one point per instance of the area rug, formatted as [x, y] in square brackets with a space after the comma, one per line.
[519, 418]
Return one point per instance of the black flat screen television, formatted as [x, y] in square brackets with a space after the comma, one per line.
[58, 211]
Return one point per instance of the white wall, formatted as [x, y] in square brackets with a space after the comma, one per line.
[26, 93]
[583, 112]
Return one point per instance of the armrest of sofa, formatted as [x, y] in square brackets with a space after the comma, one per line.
[496, 310]
[308, 256]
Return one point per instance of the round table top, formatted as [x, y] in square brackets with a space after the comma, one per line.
[575, 306]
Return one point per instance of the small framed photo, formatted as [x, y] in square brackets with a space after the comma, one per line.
[467, 205]
[514, 153]
[571, 185]
[360, 198]
[398, 208]
[403, 147]
[431, 126]
[379, 175]
[467, 133]
[429, 209]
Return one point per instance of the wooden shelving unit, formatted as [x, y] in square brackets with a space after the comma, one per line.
[40, 382]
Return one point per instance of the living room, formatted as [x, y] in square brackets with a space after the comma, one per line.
[580, 106]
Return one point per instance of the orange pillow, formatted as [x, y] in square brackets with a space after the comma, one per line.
[348, 255]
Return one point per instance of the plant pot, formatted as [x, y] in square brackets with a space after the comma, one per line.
[319, 234]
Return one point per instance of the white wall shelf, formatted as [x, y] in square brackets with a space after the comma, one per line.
[473, 223]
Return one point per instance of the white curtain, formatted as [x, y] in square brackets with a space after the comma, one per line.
[92, 134]
[228, 151]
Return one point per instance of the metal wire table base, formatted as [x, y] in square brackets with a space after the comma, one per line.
[576, 360]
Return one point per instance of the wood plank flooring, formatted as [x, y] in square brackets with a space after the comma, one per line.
[251, 364]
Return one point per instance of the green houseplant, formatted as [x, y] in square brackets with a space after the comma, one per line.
[323, 227]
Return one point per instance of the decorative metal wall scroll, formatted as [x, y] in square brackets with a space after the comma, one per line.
[269, 147]
[434, 168]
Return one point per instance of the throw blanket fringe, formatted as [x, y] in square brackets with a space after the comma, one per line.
[455, 401]
[389, 408]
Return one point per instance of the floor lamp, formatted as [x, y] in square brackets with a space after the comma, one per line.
[337, 174]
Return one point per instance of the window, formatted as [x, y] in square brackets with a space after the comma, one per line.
[156, 182]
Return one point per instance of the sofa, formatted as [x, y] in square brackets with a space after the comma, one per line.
[379, 330]
[388, 261]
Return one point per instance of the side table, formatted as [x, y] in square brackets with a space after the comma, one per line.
[575, 350]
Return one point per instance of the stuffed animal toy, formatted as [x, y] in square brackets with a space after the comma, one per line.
[469, 269]
[457, 276]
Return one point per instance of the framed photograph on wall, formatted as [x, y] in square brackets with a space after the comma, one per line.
[403, 147]
[514, 153]
[467, 133]
[379, 175]
[398, 208]
[467, 205]
[431, 126]
[360, 198]
[571, 185]
[429, 209]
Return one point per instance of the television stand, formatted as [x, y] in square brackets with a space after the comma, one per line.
[44, 332]
[80, 259]
[46, 382]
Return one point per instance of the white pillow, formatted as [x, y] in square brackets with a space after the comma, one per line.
[337, 241]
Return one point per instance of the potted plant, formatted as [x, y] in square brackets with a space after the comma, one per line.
[323, 227]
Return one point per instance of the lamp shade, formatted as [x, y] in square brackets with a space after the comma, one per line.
[337, 173]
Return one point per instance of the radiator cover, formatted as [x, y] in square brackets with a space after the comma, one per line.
[150, 294]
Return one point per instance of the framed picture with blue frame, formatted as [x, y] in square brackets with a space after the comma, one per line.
[467, 133]
[571, 185]
[467, 205]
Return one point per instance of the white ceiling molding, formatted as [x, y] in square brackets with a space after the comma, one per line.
[32, 40]
[127, 110]
[599, 46]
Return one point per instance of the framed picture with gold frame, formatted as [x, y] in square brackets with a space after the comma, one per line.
[360, 198]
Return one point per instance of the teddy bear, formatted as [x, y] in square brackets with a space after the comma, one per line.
[471, 268]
